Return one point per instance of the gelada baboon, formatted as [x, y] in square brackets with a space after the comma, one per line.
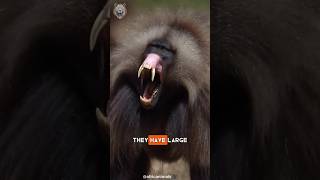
[159, 84]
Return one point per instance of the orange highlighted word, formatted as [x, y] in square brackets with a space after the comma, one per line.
[157, 139]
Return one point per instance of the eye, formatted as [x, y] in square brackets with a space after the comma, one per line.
[162, 45]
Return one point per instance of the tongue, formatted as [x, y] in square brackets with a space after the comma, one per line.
[153, 60]
[148, 91]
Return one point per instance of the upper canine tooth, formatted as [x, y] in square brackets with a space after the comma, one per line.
[140, 70]
[153, 73]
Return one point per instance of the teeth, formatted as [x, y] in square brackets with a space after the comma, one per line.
[153, 73]
[147, 66]
[140, 70]
[155, 92]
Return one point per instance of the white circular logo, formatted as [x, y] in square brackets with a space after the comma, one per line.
[120, 10]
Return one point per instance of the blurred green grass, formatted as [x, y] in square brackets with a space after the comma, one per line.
[194, 4]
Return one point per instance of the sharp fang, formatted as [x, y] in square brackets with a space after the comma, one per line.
[140, 70]
[153, 73]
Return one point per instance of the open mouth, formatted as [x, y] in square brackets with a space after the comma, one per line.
[150, 79]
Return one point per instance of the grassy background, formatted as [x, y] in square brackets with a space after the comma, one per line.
[194, 4]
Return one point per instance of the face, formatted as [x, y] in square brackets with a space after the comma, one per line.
[119, 12]
[158, 55]
[163, 61]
